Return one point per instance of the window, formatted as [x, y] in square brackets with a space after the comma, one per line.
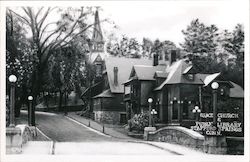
[222, 91]
[190, 76]
[127, 89]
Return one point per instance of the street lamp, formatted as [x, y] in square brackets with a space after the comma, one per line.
[30, 98]
[196, 111]
[150, 100]
[153, 112]
[215, 86]
[12, 79]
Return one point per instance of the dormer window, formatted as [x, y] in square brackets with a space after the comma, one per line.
[190, 76]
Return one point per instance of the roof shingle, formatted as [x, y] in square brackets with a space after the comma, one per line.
[147, 72]
[124, 68]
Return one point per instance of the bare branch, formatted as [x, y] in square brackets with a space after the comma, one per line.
[25, 10]
[48, 37]
[23, 18]
[49, 10]
[37, 14]
[43, 30]
[52, 43]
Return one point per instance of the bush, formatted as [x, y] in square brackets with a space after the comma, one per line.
[138, 122]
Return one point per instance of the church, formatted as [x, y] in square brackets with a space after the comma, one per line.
[121, 86]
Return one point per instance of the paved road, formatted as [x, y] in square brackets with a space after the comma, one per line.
[61, 129]
[69, 137]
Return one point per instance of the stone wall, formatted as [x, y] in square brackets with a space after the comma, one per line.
[17, 136]
[13, 140]
[108, 117]
[178, 135]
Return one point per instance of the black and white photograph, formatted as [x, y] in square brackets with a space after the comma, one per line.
[124, 81]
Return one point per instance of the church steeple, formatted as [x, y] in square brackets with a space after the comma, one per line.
[97, 38]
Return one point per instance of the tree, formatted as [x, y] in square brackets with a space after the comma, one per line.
[233, 44]
[147, 45]
[47, 36]
[126, 47]
[19, 58]
[163, 49]
[200, 45]
[66, 71]
[211, 51]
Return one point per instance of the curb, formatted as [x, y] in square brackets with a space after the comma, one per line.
[127, 140]
[43, 134]
[84, 125]
[100, 131]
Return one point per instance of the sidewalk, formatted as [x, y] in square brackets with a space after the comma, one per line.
[174, 148]
[98, 126]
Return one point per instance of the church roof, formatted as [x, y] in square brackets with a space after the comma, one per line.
[124, 69]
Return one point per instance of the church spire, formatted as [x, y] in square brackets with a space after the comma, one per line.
[97, 38]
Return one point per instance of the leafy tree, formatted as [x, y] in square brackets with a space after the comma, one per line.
[163, 49]
[211, 51]
[200, 46]
[66, 71]
[19, 58]
[126, 47]
[234, 45]
[47, 36]
[147, 45]
[200, 39]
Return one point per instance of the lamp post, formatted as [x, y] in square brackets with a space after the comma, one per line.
[153, 112]
[30, 98]
[215, 86]
[12, 80]
[196, 111]
[150, 100]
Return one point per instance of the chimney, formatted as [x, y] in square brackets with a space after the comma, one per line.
[172, 57]
[155, 59]
[115, 76]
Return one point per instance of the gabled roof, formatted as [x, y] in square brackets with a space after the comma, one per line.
[210, 78]
[187, 69]
[176, 76]
[145, 72]
[237, 91]
[105, 94]
[97, 55]
[124, 68]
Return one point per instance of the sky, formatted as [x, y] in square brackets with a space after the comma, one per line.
[166, 19]
[162, 20]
